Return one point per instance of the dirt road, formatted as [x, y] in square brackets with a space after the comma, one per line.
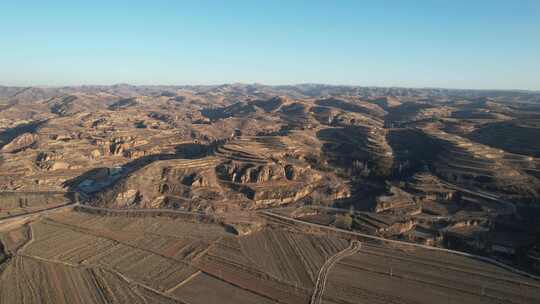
[320, 285]
[30, 214]
[390, 241]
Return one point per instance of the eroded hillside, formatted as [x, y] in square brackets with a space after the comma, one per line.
[449, 168]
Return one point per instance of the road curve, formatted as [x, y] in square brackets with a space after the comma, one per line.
[320, 285]
[372, 237]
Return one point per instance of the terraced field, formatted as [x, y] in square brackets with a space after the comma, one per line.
[358, 150]
[479, 166]
[127, 259]
[56, 242]
[31, 280]
[168, 194]
[512, 137]
[110, 259]
[78, 257]
[273, 263]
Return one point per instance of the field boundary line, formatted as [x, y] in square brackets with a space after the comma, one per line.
[47, 260]
[133, 282]
[245, 288]
[201, 254]
[184, 282]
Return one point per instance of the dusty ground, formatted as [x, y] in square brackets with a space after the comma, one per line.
[76, 257]
[447, 168]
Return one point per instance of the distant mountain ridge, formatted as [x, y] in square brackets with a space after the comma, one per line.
[26, 94]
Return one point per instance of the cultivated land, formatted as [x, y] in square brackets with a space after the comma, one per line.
[80, 257]
[261, 194]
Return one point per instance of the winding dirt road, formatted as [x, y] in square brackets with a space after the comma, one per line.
[320, 285]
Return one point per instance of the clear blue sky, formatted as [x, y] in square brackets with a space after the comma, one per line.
[438, 43]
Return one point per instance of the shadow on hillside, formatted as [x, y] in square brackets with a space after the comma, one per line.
[338, 149]
[11, 133]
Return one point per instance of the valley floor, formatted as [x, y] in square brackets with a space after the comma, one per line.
[78, 257]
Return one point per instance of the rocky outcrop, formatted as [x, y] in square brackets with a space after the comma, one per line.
[125, 146]
[177, 184]
[244, 173]
[270, 184]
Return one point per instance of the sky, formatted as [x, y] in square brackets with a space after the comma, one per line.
[451, 44]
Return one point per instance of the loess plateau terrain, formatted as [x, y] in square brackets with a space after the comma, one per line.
[269, 194]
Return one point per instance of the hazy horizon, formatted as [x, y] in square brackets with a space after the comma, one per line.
[485, 45]
[261, 84]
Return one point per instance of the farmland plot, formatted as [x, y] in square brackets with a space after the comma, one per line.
[274, 263]
[120, 259]
[111, 259]
[51, 241]
[27, 280]
[60, 243]
[380, 275]
[175, 238]
[158, 225]
[205, 289]
[290, 257]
